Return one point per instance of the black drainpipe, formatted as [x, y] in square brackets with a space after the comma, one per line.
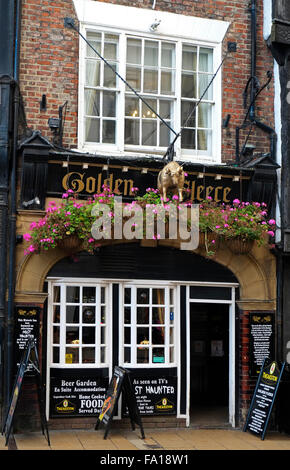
[254, 92]
[12, 217]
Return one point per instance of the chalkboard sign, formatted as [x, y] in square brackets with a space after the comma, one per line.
[264, 398]
[261, 340]
[29, 358]
[26, 327]
[120, 382]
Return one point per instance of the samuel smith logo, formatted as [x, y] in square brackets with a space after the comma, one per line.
[272, 368]
[65, 407]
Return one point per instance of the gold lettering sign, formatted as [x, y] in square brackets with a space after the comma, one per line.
[79, 182]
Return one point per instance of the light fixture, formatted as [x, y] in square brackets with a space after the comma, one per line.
[144, 170]
[155, 25]
[65, 164]
[125, 169]
[200, 175]
[32, 201]
[218, 177]
[85, 166]
[236, 178]
[105, 167]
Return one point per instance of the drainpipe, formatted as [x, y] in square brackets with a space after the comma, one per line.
[12, 218]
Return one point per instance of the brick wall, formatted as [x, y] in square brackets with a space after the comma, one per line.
[49, 64]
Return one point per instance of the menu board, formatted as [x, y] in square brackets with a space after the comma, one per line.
[26, 327]
[77, 393]
[120, 382]
[155, 395]
[261, 339]
[264, 398]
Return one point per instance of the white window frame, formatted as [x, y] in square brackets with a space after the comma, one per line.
[133, 325]
[62, 344]
[122, 20]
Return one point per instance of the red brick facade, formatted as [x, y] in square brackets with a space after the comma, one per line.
[49, 64]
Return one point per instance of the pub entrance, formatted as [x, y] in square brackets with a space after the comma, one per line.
[209, 364]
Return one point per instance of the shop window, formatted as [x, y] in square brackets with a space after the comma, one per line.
[148, 326]
[79, 325]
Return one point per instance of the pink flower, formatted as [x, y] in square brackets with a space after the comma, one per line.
[65, 195]
[68, 213]
[272, 222]
[236, 201]
[175, 197]
[226, 225]
[33, 225]
[27, 237]
[31, 249]
[91, 240]
[185, 174]
[271, 233]
[217, 226]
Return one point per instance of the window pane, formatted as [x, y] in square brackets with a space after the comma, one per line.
[171, 335]
[167, 55]
[171, 354]
[72, 294]
[103, 354]
[146, 112]
[103, 295]
[204, 115]
[127, 296]
[158, 355]
[134, 47]
[88, 335]
[204, 80]
[167, 83]
[72, 314]
[142, 335]
[92, 103]
[88, 355]
[109, 104]
[127, 354]
[149, 133]
[89, 295]
[92, 130]
[158, 296]
[204, 140]
[109, 131]
[72, 356]
[103, 335]
[187, 109]
[127, 315]
[56, 294]
[164, 139]
[165, 109]
[131, 106]
[110, 78]
[110, 46]
[142, 315]
[150, 81]
[158, 335]
[95, 39]
[72, 335]
[127, 335]
[55, 355]
[133, 77]
[151, 53]
[142, 296]
[188, 85]
[189, 54]
[56, 313]
[205, 60]
[131, 132]
[56, 334]
[188, 139]
[158, 315]
[142, 356]
[89, 315]
[93, 72]
[103, 314]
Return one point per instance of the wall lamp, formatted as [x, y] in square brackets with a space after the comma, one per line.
[32, 201]
[154, 25]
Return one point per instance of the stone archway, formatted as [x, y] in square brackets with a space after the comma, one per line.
[255, 272]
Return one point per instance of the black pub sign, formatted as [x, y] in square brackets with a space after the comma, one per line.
[77, 392]
[223, 188]
[26, 327]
